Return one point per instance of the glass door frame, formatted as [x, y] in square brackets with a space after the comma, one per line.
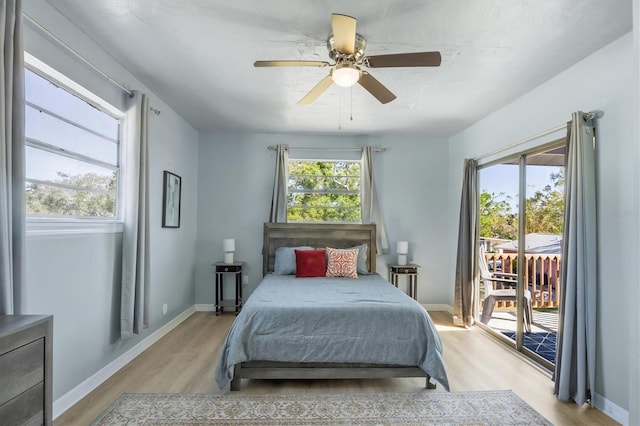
[521, 158]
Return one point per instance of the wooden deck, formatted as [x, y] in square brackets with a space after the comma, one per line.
[543, 321]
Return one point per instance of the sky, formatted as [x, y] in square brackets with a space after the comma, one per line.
[504, 178]
[43, 165]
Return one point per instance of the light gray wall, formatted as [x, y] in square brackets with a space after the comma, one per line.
[229, 178]
[634, 299]
[602, 81]
[236, 181]
[76, 277]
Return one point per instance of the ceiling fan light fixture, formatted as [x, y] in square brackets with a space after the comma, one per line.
[345, 75]
[346, 49]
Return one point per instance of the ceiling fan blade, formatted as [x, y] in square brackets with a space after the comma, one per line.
[344, 33]
[291, 64]
[376, 88]
[316, 91]
[418, 59]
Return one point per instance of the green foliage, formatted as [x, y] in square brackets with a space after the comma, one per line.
[544, 212]
[545, 209]
[323, 191]
[497, 219]
[98, 201]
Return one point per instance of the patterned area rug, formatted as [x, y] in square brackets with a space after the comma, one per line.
[544, 344]
[433, 408]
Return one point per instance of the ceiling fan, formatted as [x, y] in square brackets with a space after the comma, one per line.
[346, 48]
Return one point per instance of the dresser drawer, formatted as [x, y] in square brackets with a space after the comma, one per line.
[25, 409]
[228, 268]
[405, 269]
[21, 369]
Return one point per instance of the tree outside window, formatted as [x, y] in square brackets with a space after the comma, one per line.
[324, 191]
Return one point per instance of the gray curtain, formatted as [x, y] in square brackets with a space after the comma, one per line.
[370, 205]
[466, 256]
[12, 157]
[134, 312]
[576, 348]
[279, 198]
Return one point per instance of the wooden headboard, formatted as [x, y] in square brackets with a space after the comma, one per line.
[316, 235]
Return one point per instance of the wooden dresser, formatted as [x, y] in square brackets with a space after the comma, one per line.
[25, 369]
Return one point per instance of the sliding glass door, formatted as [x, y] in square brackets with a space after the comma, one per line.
[498, 227]
[522, 199]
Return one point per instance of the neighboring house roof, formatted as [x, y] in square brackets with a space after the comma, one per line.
[535, 243]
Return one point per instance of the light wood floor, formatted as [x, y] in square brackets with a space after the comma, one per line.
[184, 361]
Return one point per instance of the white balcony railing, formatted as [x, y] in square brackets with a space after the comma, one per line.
[542, 275]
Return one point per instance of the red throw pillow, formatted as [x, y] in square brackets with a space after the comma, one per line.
[310, 263]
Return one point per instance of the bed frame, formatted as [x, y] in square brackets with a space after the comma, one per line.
[319, 235]
[316, 235]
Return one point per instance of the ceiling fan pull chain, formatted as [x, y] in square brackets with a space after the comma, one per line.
[340, 110]
[351, 112]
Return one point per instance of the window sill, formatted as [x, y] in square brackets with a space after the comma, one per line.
[43, 227]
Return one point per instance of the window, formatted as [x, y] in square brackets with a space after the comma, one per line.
[72, 152]
[324, 191]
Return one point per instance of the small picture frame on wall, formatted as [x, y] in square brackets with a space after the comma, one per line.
[171, 200]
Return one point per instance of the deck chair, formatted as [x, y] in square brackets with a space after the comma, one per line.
[492, 294]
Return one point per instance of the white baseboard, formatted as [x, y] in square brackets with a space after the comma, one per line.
[438, 307]
[205, 307]
[67, 400]
[612, 410]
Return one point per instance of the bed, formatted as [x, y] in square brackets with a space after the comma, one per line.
[328, 328]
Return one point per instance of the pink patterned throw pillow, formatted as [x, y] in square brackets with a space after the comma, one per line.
[342, 263]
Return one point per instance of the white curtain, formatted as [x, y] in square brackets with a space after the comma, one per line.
[279, 198]
[466, 257]
[134, 313]
[576, 348]
[12, 157]
[371, 213]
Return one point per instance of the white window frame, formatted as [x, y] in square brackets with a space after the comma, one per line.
[43, 226]
[325, 160]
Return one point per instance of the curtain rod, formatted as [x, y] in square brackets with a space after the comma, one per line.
[587, 115]
[522, 141]
[274, 148]
[76, 54]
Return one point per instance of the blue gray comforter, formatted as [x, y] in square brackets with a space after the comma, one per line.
[366, 320]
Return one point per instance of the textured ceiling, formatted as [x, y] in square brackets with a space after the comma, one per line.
[197, 55]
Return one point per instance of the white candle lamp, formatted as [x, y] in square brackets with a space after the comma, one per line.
[402, 248]
[228, 246]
